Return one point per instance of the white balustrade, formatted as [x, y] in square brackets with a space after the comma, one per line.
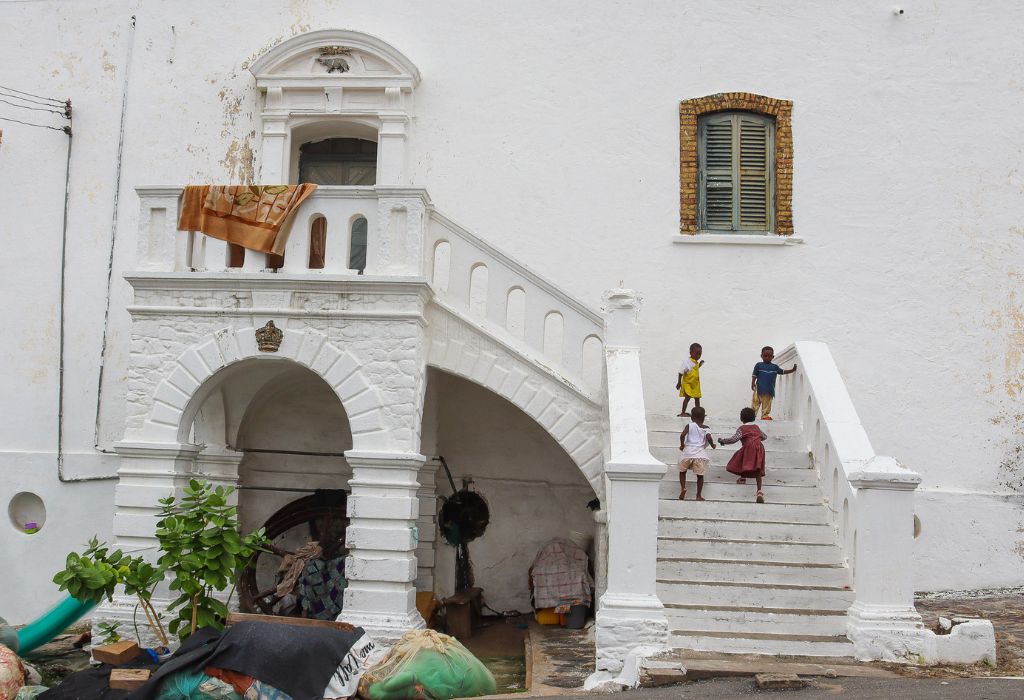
[161, 247]
[514, 303]
[872, 505]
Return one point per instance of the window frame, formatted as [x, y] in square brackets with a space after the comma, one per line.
[735, 117]
[689, 112]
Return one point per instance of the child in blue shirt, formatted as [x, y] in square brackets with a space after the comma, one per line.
[762, 382]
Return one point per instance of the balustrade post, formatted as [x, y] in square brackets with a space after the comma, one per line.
[254, 261]
[882, 623]
[395, 247]
[630, 615]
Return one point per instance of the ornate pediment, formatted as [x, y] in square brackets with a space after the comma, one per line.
[346, 57]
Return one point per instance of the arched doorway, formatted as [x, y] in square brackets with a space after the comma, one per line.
[288, 432]
[535, 491]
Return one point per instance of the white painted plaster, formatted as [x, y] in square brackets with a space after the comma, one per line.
[910, 268]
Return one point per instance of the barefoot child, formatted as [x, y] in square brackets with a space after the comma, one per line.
[693, 442]
[749, 459]
[688, 382]
[762, 382]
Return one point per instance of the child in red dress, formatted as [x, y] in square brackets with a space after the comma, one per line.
[749, 459]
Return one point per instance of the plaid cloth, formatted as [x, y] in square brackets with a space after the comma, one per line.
[321, 588]
[561, 577]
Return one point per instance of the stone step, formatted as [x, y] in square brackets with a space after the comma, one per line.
[731, 491]
[831, 623]
[741, 510]
[763, 530]
[773, 477]
[721, 456]
[770, 644]
[783, 552]
[721, 424]
[769, 572]
[704, 593]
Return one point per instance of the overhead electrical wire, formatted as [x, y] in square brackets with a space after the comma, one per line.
[35, 109]
[49, 103]
[22, 92]
[65, 129]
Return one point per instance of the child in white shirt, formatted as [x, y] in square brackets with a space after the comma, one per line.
[693, 443]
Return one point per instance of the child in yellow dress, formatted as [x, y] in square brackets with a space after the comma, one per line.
[688, 382]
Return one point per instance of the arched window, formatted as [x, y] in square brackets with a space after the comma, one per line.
[338, 161]
[357, 249]
[317, 243]
[736, 172]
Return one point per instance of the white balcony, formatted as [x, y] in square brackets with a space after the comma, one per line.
[393, 219]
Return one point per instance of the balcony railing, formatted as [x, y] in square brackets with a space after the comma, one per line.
[393, 224]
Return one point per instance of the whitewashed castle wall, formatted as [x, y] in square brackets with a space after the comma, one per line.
[559, 143]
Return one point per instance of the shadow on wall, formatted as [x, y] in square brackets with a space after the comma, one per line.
[534, 490]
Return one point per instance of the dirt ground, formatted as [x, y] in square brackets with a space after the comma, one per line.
[1005, 608]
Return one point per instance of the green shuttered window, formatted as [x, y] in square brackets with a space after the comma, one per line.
[737, 172]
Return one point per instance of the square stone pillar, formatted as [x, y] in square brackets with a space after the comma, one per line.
[148, 472]
[382, 539]
[391, 143]
[426, 526]
[882, 623]
[630, 615]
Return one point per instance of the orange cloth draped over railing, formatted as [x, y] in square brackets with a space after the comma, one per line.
[255, 217]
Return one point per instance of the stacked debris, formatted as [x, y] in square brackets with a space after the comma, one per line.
[263, 658]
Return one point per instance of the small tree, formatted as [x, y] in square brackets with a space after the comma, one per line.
[201, 547]
[95, 574]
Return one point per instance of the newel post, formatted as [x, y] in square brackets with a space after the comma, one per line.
[630, 615]
[883, 623]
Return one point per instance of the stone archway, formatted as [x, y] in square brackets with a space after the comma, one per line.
[179, 396]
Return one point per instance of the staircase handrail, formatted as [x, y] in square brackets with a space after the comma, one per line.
[522, 269]
[817, 397]
[534, 323]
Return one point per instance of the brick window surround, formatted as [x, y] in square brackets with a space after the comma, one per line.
[691, 110]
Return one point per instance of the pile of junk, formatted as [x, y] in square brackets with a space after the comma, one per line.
[286, 642]
[263, 659]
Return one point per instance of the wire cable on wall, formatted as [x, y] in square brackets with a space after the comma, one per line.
[113, 233]
[65, 129]
[29, 94]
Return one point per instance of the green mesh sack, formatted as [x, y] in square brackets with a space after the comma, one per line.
[426, 665]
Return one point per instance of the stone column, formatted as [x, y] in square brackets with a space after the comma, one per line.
[381, 537]
[882, 623]
[630, 614]
[426, 526]
[391, 147]
[274, 149]
[148, 472]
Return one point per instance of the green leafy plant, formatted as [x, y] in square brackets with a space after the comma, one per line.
[108, 632]
[96, 572]
[201, 548]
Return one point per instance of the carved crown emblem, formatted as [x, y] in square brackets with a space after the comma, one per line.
[268, 338]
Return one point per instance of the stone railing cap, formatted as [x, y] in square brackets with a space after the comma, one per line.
[882, 472]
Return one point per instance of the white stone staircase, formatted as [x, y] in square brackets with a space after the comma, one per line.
[745, 578]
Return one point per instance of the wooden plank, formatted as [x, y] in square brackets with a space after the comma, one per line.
[236, 617]
[117, 653]
[128, 678]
